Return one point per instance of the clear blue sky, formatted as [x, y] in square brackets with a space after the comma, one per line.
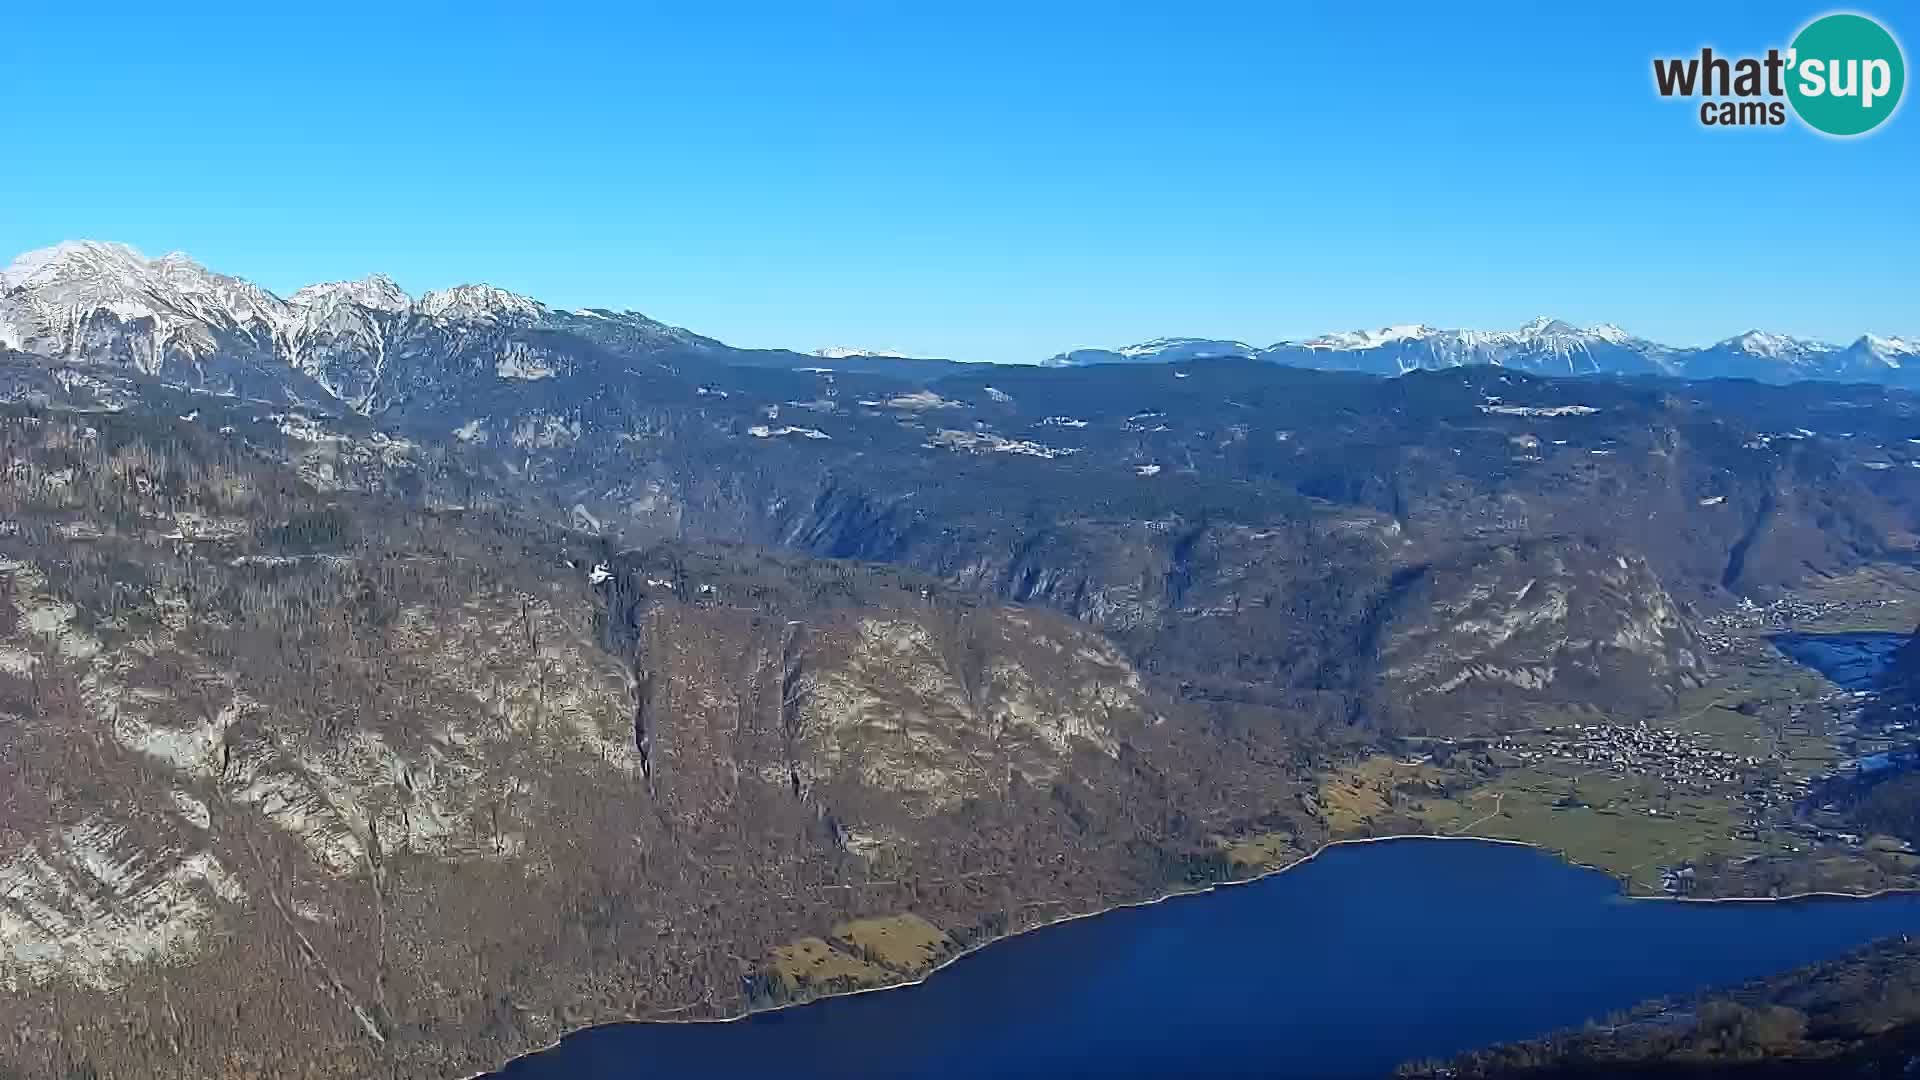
[985, 181]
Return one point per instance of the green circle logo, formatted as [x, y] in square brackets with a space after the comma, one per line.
[1845, 74]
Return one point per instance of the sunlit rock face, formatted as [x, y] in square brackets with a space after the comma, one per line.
[364, 346]
[259, 732]
[409, 739]
[932, 705]
[1531, 622]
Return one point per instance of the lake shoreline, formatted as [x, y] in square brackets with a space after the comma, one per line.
[1817, 895]
[945, 962]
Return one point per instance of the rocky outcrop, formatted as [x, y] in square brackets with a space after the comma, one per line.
[398, 790]
[1559, 620]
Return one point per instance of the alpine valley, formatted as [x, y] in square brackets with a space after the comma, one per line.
[391, 684]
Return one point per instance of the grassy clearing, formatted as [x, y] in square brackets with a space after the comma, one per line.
[1259, 851]
[1356, 799]
[904, 942]
[812, 963]
[1598, 819]
[861, 953]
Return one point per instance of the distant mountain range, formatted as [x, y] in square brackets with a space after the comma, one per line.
[366, 343]
[1549, 347]
[369, 345]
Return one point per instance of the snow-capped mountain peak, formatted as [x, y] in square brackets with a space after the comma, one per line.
[1774, 346]
[1165, 350]
[1545, 325]
[362, 344]
[91, 271]
[93, 296]
[1544, 329]
[1371, 339]
[1186, 348]
[70, 259]
[367, 343]
[1891, 346]
[1875, 355]
[480, 303]
[375, 291]
[847, 352]
[102, 266]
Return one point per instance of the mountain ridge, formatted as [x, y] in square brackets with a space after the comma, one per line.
[104, 301]
[1545, 345]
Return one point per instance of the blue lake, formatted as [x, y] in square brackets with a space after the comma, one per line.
[1853, 660]
[1370, 955]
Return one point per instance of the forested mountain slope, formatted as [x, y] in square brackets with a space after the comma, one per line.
[1857, 1016]
[327, 783]
[390, 725]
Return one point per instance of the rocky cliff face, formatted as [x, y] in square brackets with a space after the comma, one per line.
[442, 783]
[1242, 539]
[362, 346]
[1546, 621]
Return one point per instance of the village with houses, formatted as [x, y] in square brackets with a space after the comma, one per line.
[1731, 791]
